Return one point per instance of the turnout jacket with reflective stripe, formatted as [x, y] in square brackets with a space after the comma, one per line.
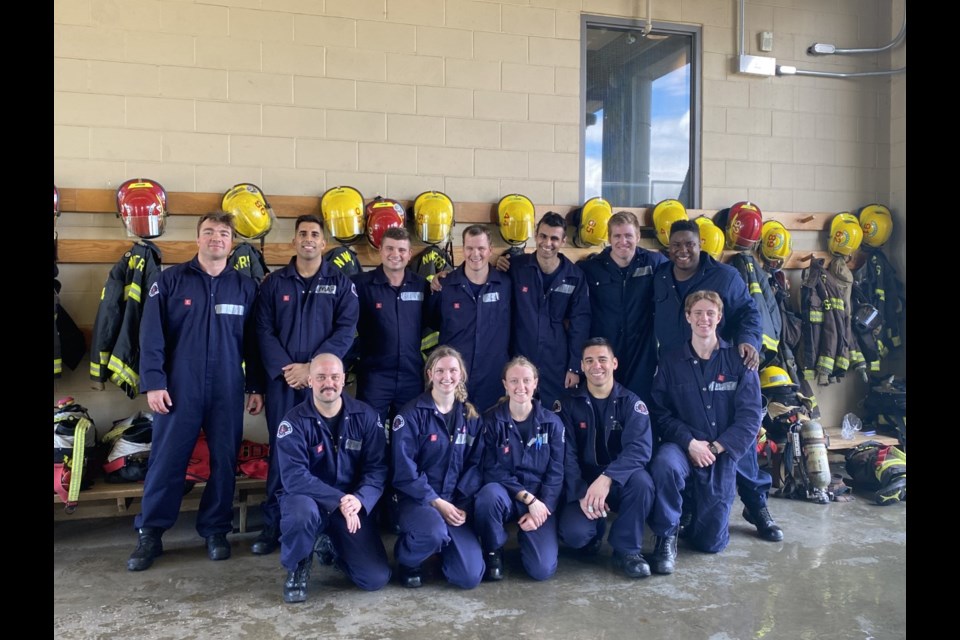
[115, 342]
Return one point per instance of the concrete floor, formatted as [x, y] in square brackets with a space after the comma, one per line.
[840, 573]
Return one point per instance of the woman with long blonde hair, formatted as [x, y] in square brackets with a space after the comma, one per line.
[437, 457]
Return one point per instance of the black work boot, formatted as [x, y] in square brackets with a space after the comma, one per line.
[686, 519]
[664, 555]
[217, 547]
[325, 551]
[494, 562]
[267, 542]
[410, 577]
[149, 546]
[633, 565]
[295, 588]
[766, 526]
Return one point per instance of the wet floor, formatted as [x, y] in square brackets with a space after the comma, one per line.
[839, 573]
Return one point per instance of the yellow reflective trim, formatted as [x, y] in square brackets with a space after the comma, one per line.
[430, 340]
[836, 303]
[123, 373]
[57, 366]
[825, 363]
[134, 291]
[843, 364]
[94, 370]
[755, 288]
[104, 357]
[856, 357]
[770, 343]
[881, 293]
[808, 374]
[816, 317]
[103, 292]
[894, 339]
[875, 365]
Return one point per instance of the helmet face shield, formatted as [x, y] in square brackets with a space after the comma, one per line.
[342, 209]
[433, 216]
[252, 215]
[515, 215]
[142, 206]
[774, 376]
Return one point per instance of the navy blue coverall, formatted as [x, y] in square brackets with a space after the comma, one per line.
[740, 323]
[298, 319]
[196, 332]
[549, 327]
[428, 464]
[626, 430]
[621, 302]
[714, 401]
[478, 327]
[511, 466]
[318, 468]
[389, 332]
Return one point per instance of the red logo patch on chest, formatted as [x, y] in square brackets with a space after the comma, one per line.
[583, 425]
[506, 449]
[524, 289]
[320, 448]
[379, 305]
[456, 305]
[720, 377]
[286, 297]
[433, 437]
[187, 302]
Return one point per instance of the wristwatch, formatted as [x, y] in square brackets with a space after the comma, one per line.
[713, 449]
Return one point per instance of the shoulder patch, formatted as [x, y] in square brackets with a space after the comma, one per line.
[640, 407]
[398, 423]
[154, 289]
[556, 406]
[284, 429]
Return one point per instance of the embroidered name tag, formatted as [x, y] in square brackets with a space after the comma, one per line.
[642, 271]
[493, 296]
[416, 296]
[327, 288]
[564, 288]
[351, 445]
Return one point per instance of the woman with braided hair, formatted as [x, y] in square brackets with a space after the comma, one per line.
[437, 459]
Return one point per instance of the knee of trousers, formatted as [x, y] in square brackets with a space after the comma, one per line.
[491, 501]
[541, 570]
[298, 513]
[373, 577]
[574, 529]
[638, 487]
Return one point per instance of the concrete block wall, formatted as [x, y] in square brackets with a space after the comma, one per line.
[478, 98]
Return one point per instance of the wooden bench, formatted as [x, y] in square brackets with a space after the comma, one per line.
[105, 499]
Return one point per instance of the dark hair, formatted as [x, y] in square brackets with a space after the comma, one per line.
[216, 217]
[308, 217]
[599, 341]
[621, 218]
[477, 230]
[703, 294]
[685, 225]
[552, 219]
[395, 233]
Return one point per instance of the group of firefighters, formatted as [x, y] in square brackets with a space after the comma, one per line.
[533, 409]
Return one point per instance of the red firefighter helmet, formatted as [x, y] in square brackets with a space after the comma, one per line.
[142, 205]
[744, 224]
[382, 213]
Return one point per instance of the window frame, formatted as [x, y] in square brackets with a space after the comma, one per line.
[695, 32]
